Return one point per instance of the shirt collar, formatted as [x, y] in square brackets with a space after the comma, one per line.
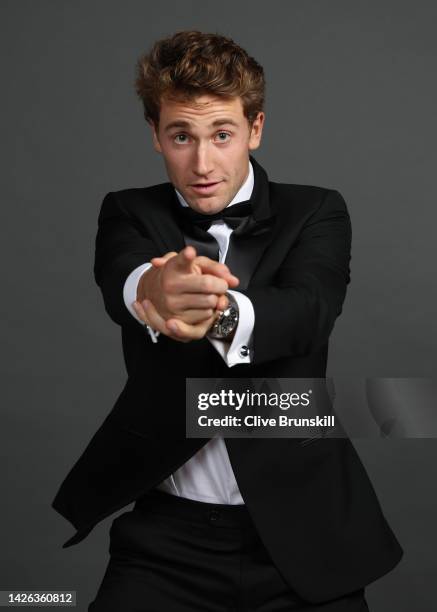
[243, 194]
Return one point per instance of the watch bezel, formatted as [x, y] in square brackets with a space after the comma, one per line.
[226, 322]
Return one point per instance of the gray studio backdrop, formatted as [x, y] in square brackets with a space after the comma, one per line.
[351, 99]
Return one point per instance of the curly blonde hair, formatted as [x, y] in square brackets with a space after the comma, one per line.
[191, 63]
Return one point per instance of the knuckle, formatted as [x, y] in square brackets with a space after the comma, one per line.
[166, 300]
[168, 283]
[208, 284]
[165, 282]
[171, 301]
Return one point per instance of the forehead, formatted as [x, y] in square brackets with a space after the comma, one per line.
[202, 111]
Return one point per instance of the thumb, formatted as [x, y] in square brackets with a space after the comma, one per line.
[158, 262]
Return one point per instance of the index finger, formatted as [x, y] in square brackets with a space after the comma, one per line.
[184, 259]
[201, 283]
[211, 266]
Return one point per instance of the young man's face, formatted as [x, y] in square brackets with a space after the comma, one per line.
[209, 145]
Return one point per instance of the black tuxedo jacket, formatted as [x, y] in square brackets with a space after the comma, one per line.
[313, 504]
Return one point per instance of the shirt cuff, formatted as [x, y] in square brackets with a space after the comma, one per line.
[130, 295]
[241, 347]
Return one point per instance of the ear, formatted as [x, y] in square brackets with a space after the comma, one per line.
[256, 131]
[155, 139]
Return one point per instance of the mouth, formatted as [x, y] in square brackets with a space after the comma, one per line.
[205, 187]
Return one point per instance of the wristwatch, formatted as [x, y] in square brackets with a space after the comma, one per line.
[227, 320]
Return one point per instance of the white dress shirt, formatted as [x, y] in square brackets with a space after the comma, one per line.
[208, 475]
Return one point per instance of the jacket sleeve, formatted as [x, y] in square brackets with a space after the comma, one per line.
[295, 315]
[120, 247]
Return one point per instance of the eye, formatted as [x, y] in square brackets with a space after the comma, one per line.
[225, 134]
[178, 135]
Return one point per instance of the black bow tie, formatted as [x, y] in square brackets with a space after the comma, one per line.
[231, 215]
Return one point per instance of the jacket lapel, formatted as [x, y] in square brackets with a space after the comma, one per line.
[160, 216]
[249, 241]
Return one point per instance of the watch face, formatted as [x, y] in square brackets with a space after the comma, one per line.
[228, 323]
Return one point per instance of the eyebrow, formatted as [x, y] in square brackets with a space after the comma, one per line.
[181, 123]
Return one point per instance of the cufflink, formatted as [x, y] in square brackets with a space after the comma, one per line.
[243, 351]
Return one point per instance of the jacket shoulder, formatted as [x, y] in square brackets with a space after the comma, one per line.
[150, 190]
[133, 198]
[303, 197]
[300, 190]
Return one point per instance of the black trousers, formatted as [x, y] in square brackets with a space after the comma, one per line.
[173, 554]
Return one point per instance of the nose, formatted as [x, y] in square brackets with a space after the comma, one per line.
[202, 162]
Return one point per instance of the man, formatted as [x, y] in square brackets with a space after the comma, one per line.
[221, 272]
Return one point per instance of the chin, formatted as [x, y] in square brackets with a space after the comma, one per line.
[208, 205]
[206, 209]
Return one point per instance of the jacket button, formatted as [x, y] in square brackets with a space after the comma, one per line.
[244, 351]
[214, 515]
